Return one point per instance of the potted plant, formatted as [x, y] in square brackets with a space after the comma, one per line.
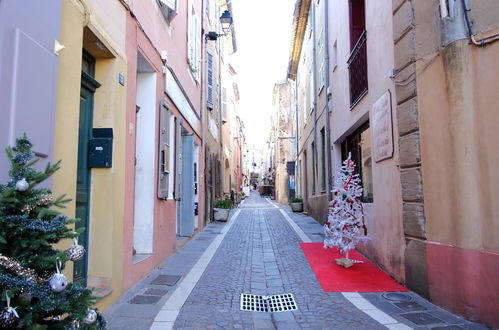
[221, 208]
[241, 195]
[296, 204]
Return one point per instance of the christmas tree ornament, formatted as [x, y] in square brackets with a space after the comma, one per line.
[15, 267]
[75, 325]
[45, 199]
[8, 315]
[75, 251]
[343, 228]
[91, 317]
[22, 185]
[58, 282]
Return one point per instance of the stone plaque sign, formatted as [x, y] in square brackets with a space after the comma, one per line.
[382, 127]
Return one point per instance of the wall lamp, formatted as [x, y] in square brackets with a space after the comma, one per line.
[226, 22]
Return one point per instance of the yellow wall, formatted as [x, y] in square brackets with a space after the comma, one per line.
[107, 185]
[458, 113]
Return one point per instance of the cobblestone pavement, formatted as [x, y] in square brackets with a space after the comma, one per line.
[260, 254]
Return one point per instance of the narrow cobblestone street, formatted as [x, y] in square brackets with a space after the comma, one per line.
[260, 254]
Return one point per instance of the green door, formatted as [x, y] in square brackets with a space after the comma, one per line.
[88, 87]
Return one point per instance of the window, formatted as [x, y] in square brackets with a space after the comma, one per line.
[311, 90]
[314, 164]
[209, 80]
[323, 159]
[320, 61]
[358, 144]
[194, 41]
[357, 63]
[168, 9]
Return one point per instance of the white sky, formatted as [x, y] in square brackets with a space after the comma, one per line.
[263, 32]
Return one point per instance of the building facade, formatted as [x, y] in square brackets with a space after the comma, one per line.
[409, 98]
[126, 96]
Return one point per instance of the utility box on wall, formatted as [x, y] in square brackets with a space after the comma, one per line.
[100, 148]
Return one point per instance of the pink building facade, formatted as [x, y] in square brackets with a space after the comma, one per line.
[164, 157]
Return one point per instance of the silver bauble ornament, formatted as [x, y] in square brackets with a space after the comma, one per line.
[58, 282]
[22, 185]
[8, 317]
[74, 325]
[91, 317]
[75, 251]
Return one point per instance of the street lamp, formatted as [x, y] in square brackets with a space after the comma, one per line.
[226, 20]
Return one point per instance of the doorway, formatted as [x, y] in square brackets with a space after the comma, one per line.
[87, 91]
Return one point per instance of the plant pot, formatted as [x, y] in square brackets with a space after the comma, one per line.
[220, 214]
[296, 207]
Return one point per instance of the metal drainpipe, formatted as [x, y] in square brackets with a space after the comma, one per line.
[314, 54]
[329, 103]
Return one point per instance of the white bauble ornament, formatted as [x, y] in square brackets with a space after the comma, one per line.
[58, 281]
[22, 185]
[91, 317]
[75, 251]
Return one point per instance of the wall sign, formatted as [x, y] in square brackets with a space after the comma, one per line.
[382, 126]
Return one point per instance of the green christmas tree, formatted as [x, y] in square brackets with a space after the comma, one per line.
[35, 294]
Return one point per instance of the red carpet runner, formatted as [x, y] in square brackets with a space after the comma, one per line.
[362, 277]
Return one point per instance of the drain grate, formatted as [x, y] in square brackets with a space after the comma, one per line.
[271, 303]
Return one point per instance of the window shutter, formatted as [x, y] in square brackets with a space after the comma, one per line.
[190, 36]
[320, 60]
[178, 158]
[224, 105]
[209, 81]
[197, 54]
[164, 149]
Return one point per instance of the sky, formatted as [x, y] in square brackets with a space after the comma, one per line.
[263, 32]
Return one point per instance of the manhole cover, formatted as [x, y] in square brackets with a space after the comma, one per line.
[144, 300]
[272, 303]
[410, 306]
[396, 296]
[166, 280]
[421, 318]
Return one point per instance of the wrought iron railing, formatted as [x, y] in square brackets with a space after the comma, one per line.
[357, 67]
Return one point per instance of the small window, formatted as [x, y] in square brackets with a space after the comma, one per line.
[359, 145]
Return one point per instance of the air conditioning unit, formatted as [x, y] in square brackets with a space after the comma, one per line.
[168, 8]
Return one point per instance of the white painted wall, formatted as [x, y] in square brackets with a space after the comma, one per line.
[145, 167]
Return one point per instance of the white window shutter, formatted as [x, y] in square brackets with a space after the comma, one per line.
[224, 105]
[197, 54]
[209, 80]
[190, 36]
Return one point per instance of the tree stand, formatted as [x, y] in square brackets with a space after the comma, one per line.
[346, 262]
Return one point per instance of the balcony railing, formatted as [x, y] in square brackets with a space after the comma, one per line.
[357, 67]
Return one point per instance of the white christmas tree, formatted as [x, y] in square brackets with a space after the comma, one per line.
[345, 226]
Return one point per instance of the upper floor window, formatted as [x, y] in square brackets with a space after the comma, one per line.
[357, 63]
[194, 41]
